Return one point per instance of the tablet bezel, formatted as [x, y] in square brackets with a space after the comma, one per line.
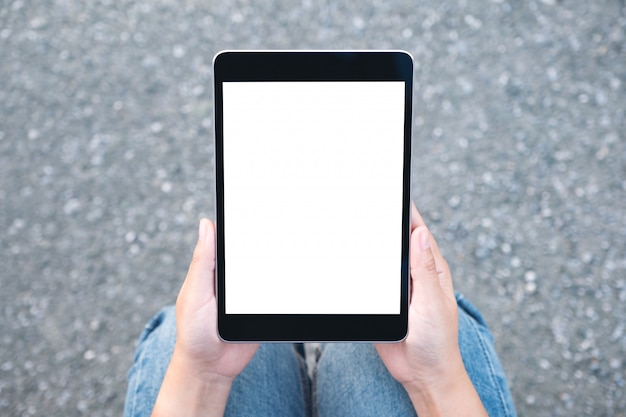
[255, 66]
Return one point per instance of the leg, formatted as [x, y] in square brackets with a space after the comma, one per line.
[274, 383]
[481, 361]
[152, 357]
[351, 380]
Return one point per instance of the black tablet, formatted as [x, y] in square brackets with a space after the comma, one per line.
[312, 159]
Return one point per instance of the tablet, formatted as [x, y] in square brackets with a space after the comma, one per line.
[312, 160]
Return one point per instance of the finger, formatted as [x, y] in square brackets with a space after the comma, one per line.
[418, 221]
[436, 251]
[443, 270]
[201, 275]
[416, 217]
[424, 275]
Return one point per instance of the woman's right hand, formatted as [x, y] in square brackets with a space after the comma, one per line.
[428, 362]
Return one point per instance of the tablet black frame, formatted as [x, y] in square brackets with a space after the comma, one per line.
[251, 66]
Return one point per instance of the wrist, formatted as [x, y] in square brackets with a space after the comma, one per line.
[199, 370]
[449, 393]
[429, 398]
[189, 391]
[442, 372]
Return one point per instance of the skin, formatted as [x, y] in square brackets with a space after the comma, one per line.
[427, 363]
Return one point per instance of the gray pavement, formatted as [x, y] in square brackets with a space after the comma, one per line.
[106, 166]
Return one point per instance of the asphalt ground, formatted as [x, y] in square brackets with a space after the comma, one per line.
[519, 168]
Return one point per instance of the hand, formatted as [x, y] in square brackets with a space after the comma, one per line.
[203, 366]
[196, 317]
[428, 362]
[431, 345]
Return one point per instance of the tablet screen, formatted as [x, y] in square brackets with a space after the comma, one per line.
[312, 179]
[313, 196]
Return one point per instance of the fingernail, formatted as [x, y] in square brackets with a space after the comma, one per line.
[202, 229]
[424, 239]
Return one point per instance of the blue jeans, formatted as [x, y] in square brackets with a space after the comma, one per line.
[349, 379]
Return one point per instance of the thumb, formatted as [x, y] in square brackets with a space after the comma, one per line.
[424, 272]
[200, 278]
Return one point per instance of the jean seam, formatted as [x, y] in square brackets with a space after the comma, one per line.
[305, 381]
[155, 322]
[502, 402]
[135, 387]
[314, 408]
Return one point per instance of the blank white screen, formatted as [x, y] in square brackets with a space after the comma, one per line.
[313, 197]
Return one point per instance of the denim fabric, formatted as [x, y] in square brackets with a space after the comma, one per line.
[152, 358]
[349, 378]
[481, 361]
[274, 383]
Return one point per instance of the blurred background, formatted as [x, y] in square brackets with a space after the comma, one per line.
[519, 168]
